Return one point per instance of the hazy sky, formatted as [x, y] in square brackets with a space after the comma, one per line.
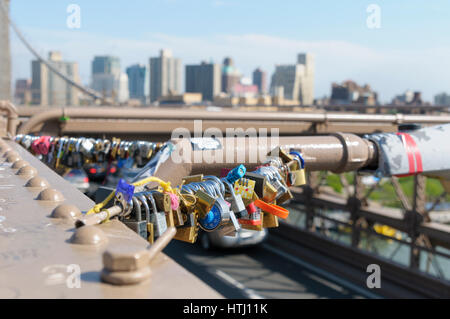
[411, 50]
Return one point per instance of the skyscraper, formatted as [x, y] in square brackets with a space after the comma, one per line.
[5, 55]
[22, 93]
[137, 81]
[260, 80]
[165, 75]
[230, 75]
[106, 75]
[297, 79]
[204, 78]
[47, 88]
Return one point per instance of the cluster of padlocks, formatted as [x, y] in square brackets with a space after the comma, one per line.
[238, 199]
[74, 152]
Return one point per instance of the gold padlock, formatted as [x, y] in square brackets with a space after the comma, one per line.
[270, 192]
[269, 220]
[178, 217]
[188, 232]
[150, 231]
[299, 177]
[170, 219]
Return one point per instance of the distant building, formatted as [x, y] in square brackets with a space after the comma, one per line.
[204, 78]
[349, 93]
[47, 88]
[22, 95]
[106, 75]
[244, 88]
[106, 65]
[442, 99]
[230, 75]
[137, 82]
[297, 80]
[165, 75]
[123, 94]
[409, 98]
[260, 80]
[182, 99]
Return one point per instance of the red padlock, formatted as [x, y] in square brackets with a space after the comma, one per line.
[44, 145]
[35, 146]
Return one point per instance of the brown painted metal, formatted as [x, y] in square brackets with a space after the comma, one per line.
[12, 116]
[338, 153]
[323, 122]
[36, 249]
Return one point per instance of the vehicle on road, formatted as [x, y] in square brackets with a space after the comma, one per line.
[79, 179]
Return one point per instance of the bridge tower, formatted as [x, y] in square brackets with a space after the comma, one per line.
[5, 55]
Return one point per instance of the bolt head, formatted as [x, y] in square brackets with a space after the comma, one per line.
[125, 258]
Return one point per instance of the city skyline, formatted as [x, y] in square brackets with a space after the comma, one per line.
[390, 59]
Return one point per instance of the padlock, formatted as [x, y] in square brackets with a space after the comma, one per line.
[236, 174]
[26, 142]
[150, 233]
[275, 179]
[163, 203]
[177, 217]
[87, 147]
[157, 218]
[44, 145]
[193, 179]
[269, 220]
[204, 203]
[278, 152]
[134, 220]
[298, 174]
[77, 155]
[231, 228]
[59, 154]
[254, 219]
[260, 181]
[188, 232]
[285, 197]
[269, 193]
[237, 205]
[114, 148]
[244, 187]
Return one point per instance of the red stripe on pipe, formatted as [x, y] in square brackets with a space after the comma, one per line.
[416, 152]
[408, 153]
[413, 153]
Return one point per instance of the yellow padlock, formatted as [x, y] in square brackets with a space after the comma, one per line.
[299, 177]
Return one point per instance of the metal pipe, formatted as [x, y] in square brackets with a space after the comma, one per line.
[228, 115]
[12, 114]
[95, 219]
[337, 153]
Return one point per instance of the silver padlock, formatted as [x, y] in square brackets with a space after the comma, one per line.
[274, 178]
[27, 141]
[229, 224]
[134, 220]
[237, 204]
[158, 219]
[87, 147]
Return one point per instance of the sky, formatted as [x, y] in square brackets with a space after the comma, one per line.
[410, 49]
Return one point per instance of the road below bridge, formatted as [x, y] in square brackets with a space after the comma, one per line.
[261, 272]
